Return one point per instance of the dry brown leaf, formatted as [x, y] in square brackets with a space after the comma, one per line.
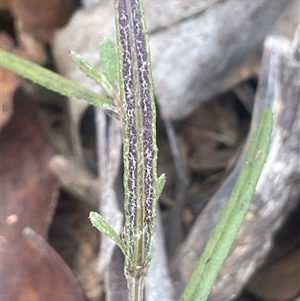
[28, 196]
[5, 4]
[52, 271]
[280, 281]
[42, 17]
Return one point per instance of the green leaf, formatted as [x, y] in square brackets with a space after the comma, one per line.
[93, 73]
[53, 81]
[109, 62]
[160, 185]
[103, 226]
[218, 246]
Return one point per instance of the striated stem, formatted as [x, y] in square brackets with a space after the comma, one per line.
[142, 187]
[139, 133]
[135, 288]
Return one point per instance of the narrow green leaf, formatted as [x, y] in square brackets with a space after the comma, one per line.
[217, 249]
[109, 62]
[53, 81]
[160, 185]
[103, 226]
[92, 72]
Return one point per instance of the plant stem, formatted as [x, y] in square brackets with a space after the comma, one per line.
[219, 244]
[139, 134]
[141, 184]
[135, 288]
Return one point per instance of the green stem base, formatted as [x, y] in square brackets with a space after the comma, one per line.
[135, 288]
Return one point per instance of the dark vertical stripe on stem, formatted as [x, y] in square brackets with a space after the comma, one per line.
[146, 115]
[139, 135]
[129, 114]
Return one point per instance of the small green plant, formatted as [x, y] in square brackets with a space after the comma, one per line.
[127, 81]
[218, 246]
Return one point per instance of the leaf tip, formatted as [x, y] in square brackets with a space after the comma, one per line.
[93, 216]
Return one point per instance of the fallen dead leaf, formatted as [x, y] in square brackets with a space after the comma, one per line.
[52, 271]
[5, 4]
[41, 18]
[280, 281]
[28, 197]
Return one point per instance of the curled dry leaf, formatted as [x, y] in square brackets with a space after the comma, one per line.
[28, 196]
[51, 270]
